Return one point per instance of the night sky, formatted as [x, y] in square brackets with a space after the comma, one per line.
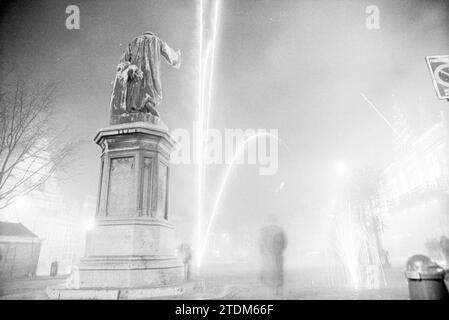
[295, 66]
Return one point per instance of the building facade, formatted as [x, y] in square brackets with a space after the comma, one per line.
[415, 195]
[19, 251]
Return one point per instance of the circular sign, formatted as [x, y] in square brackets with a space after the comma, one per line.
[442, 74]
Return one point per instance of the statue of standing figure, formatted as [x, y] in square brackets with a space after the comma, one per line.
[137, 87]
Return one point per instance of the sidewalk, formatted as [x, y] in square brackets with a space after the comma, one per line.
[28, 288]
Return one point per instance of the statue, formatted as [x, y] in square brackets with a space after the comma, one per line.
[135, 258]
[137, 87]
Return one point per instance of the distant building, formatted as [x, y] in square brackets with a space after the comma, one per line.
[19, 251]
[415, 193]
[61, 228]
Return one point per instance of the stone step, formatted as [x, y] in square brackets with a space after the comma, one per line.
[61, 292]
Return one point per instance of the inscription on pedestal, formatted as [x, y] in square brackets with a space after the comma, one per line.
[122, 188]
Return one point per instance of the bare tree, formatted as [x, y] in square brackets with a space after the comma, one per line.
[31, 146]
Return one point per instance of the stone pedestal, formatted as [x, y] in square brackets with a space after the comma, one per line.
[132, 245]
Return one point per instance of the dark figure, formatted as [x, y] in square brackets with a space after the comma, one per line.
[186, 256]
[273, 242]
[54, 269]
[444, 246]
[386, 263]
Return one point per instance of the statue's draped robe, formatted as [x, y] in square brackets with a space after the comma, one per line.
[137, 84]
[272, 244]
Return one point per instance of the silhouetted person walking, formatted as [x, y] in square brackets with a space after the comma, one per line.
[186, 256]
[272, 244]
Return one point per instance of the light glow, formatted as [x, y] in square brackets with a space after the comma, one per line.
[349, 244]
[89, 225]
[206, 75]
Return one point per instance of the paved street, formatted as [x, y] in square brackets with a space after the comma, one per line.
[305, 283]
[226, 282]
